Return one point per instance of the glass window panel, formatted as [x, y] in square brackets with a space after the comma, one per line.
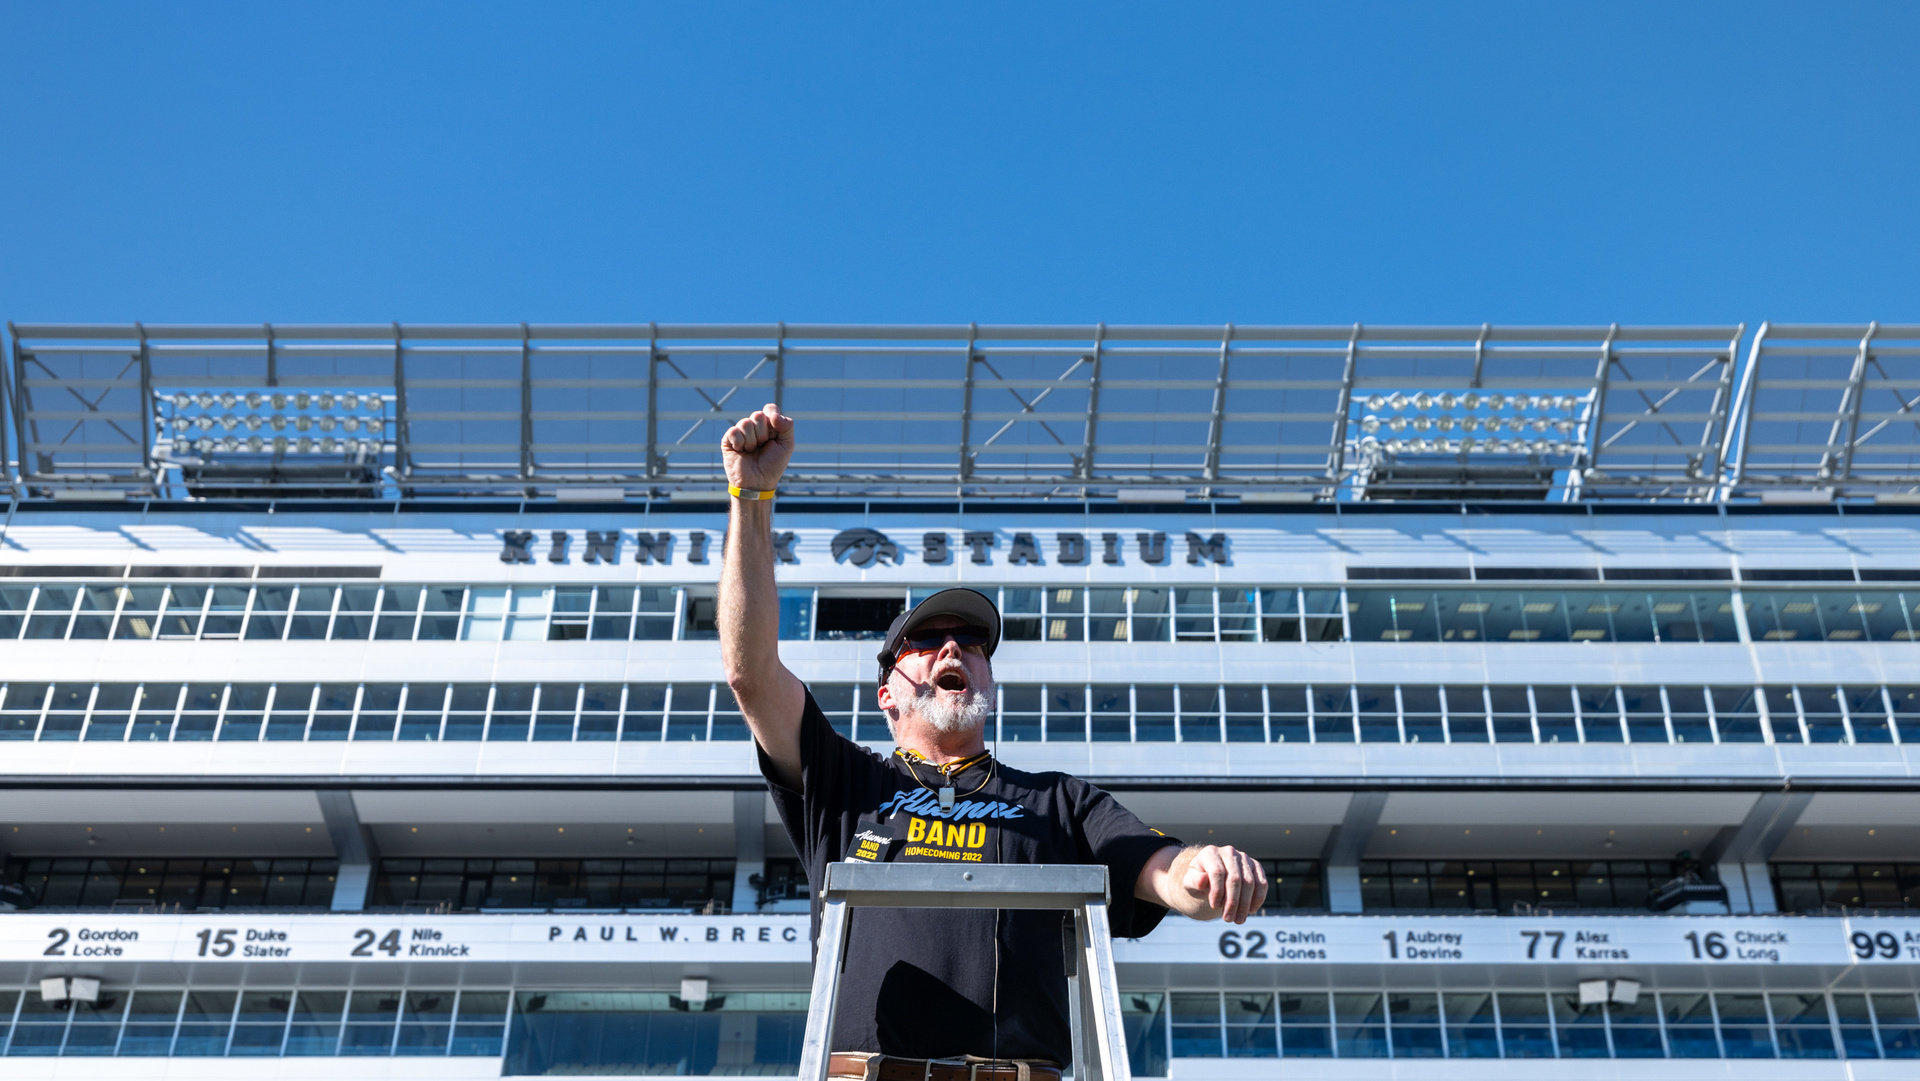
[1280, 615]
[1743, 1026]
[1379, 714]
[1512, 714]
[599, 712]
[1802, 1025]
[1324, 618]
[1066, 712]
[1466, 714]
[267, 599]
[1372, 614]
[1736, 714]
[1461, 616]
[656, 605]
[1193, 615]
[486, 613]
[1144, 1019]
[1333, 714]
[1108, 621]
[1553, 707]
[1421, 714]
[1237, 615]
[1199, 713]
[646, 705]
[1361, 1041]
[1149, 620]
[796, 614]
[1689, 1024]
[1287, 713]
[1866, 714]
[1250, 1041]
[1599, 714]
[1783, 713]
[1899, 1024]
[1820, 709]
[1112, 713]
[1523, 1026]
[353, 618]
[1020, 713]
[728, 724]
[1413, 1009]
[425, 702]
[1245, 723]
[1153, 713]
[1802, 617]
[557, 707]
[688, 721]
[512, 708]
[1646, 714]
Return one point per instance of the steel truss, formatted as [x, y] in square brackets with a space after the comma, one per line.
[1259, 411]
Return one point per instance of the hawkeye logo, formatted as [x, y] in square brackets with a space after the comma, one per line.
[946, 840]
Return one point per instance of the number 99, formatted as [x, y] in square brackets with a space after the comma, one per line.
[1865, 945]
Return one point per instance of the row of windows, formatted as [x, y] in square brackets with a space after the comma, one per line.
[552, 1032]
[202, 1022]
[472, 884]
[1487, 1024]
[1813, 887]
[1144, 713]
[650, 885]
[562, 1032]
[359, 612]
[1498, 886]
[179, 884]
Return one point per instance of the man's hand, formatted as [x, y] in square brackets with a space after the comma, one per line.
[1204, 882]
[757, 449]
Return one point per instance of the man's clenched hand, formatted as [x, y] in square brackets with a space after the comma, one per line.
[757, 449]
[1205, 882]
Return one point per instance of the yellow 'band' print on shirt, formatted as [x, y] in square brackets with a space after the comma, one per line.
[949, 834]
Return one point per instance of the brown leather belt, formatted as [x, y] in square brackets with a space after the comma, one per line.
[862, 1066]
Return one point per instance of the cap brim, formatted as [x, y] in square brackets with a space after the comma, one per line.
[968, 604]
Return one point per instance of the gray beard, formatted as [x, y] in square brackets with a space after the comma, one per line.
[947, 717]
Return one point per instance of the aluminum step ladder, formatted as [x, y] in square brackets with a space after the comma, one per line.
[1093, 995]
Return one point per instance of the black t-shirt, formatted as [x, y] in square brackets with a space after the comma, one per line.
[921, 982]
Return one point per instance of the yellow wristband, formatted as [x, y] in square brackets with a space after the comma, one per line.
[748, 493]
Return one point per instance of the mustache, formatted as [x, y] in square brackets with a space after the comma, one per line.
[952, 666]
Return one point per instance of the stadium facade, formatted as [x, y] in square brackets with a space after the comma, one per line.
[362, 714]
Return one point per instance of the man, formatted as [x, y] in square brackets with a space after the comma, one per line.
[921, 984]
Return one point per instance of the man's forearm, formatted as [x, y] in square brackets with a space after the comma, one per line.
[1204, 882]
[749, 603]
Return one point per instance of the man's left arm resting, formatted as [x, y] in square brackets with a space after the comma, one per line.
[1204, 882]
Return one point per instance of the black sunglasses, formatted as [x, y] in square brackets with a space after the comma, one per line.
[929, 641]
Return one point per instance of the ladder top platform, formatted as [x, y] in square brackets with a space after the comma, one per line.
[981, 885]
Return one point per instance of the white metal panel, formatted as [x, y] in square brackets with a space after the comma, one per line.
[1568, 808]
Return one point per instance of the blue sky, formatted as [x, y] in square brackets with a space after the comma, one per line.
[1391, 163]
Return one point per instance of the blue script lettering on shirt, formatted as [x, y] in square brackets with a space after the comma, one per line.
[923, 802]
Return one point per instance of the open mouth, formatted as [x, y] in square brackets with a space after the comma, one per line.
[951, 680]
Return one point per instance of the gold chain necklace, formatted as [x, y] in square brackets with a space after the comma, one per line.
[945, 792]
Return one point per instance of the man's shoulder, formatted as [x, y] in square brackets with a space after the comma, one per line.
[1046, 781]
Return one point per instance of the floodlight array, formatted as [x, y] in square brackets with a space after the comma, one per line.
[1472, 422]
[276, 422]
